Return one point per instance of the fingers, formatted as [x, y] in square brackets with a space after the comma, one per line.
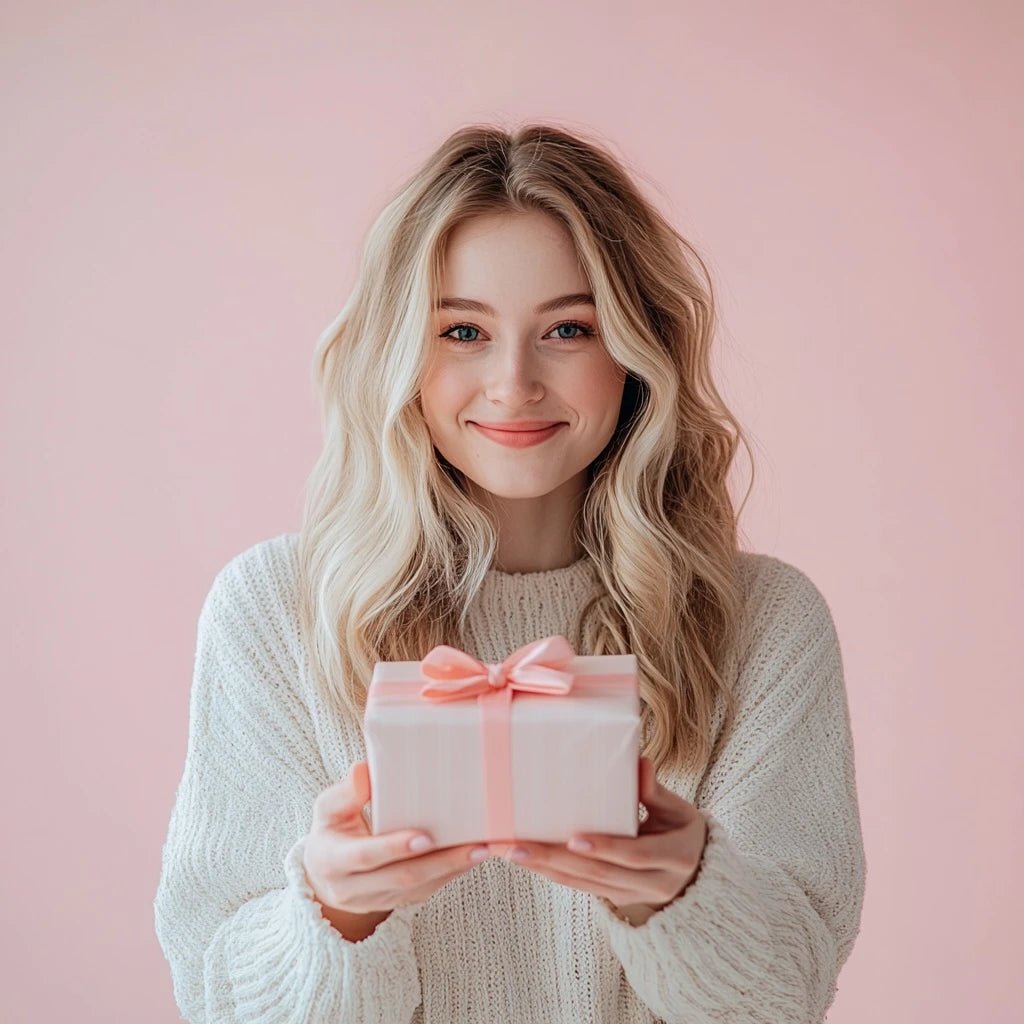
[348, 853]
[655, 851]
[341, 805]
[378, 871]
[619, 883]
[352, 869]
[650, 852]
[616, 893]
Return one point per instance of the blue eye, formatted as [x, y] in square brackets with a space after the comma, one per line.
[586, 330]
[577, 326]
[460, 327]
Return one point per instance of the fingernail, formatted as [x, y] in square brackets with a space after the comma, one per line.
[420, 843]
[580, 845]
[518, 853]
[479, 854]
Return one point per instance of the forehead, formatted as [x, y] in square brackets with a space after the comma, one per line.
[511, 262]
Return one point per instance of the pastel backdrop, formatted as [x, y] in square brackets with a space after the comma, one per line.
[186, 189]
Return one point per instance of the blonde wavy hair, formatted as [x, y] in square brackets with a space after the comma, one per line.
[392, 550]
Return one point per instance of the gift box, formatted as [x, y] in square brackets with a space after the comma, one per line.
[538, 747]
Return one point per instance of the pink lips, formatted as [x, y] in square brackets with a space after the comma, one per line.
[519, 438]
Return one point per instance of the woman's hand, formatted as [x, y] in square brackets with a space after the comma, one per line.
[353, 872]
[637, 876]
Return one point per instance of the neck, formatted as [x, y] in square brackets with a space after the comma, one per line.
[536, 534]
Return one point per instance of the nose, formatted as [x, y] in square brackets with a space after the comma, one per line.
[513, 378]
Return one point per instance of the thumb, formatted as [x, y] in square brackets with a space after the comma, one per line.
[663, 805]
[360, 775]
[650, 788]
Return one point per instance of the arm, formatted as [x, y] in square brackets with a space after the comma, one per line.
[235, 915]
[761, 932]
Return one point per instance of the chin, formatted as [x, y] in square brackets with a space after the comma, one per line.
[511, 491]
[506, 488]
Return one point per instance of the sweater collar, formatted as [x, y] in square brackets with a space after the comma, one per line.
[514, 608]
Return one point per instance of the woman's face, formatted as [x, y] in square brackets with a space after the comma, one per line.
[518, 361]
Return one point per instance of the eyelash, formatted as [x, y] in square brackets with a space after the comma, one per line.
[588, 332]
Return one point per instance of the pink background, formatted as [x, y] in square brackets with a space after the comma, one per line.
[186, 189]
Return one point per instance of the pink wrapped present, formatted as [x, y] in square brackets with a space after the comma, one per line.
[538, 747]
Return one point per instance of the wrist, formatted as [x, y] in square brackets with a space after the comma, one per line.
[354, 927]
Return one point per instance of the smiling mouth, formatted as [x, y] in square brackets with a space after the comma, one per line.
[518, 438]
[514, 428]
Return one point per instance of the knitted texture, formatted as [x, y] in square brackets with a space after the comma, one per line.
[759, 936]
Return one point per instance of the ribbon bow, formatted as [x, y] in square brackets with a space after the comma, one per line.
[536, 667]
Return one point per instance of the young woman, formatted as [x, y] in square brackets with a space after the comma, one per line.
[523, 439]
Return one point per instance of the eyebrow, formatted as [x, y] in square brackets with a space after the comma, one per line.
[562, 302]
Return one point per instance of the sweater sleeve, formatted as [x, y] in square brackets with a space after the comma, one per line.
[761, 932]
[234, 911]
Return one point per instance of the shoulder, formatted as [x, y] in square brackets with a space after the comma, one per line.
[265, 564]
[775, 589]
[254, 595]
[785, 614]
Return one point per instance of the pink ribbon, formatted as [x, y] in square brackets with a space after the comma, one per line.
[537, 667]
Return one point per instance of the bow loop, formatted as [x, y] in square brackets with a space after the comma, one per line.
[537, 667]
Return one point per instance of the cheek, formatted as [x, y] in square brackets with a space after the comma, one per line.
[601, 388]
[442, 397]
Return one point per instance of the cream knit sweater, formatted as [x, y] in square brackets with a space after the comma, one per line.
[760, 935]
